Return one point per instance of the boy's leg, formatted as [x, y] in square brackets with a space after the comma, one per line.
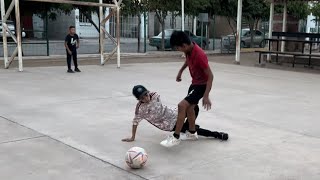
[195, 94]
[191, 118]
[215, 134]
[75, 59]
[185, 126]
[182, 111]
[68, 60]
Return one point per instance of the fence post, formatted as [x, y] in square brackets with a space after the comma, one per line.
[47, 34]
[145, 30]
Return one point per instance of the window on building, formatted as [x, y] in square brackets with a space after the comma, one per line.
[84, 20]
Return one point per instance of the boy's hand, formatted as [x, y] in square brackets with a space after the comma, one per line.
[206, 103]
[178, 78]
[77, 46]
[69, 52]
[128, 139]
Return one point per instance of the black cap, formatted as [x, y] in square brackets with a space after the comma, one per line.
[138, 91]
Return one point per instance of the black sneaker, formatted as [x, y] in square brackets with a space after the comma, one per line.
[223, 136]
[70, 71]
[77, 70]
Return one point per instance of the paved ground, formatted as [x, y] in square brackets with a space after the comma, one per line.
[56, 125]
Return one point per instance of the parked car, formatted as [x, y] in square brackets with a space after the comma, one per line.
[258, 39]
[156, 40]
[11, 28]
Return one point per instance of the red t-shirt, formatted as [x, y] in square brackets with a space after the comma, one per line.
[197, 62]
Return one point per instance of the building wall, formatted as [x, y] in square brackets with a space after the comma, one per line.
[86, 29]
[221, 27]
[38, 27]
[58, 29]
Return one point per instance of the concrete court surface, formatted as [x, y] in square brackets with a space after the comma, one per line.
[61, 126]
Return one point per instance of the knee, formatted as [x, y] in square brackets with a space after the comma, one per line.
[182, 106]
[191, 109]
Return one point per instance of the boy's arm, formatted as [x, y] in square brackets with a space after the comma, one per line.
[66, 45]
[134, 131]
[78, 42]
[206, 101]
[184, 66]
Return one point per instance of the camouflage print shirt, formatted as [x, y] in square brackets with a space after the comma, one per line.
[156, 113]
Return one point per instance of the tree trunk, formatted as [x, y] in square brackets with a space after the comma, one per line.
[161, 18]
[252, 33]
[139, 30]
[162, 30]
[172, 20]
[229, 22]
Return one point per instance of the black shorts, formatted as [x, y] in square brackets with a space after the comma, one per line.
[195, 93]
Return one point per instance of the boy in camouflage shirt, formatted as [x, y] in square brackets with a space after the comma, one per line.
[151, 109]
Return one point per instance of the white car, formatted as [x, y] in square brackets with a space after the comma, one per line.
[11, 28]
[258, 39]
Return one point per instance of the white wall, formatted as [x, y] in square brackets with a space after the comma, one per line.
[87, 30]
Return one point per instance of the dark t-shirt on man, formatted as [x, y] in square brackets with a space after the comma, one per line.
[72, 41]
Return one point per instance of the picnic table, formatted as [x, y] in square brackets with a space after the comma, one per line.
[279, 38]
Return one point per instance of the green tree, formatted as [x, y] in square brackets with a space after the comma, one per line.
[135, 8]
[297, 9]
[253, 11]
[161, 8]
[316, 12]
[226, 8]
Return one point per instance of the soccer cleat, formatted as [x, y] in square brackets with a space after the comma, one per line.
[70, 71]
[223, 136]
[170, 141]
[77, 70]
[189, 136]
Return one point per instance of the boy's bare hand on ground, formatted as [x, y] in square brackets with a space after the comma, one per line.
[178, 78]
[206, 103]
[128, 139]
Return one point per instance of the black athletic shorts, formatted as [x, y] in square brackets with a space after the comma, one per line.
[195, 93]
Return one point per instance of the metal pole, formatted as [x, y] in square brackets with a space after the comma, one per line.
[201, 33]
[19, 43]
[145, 30]
[238, 35]
[195, 25]
[270, 26]
[118, 35]
[47, 33]
[284, 25]
[182, 15]
[101, 34]
[4, 35]
[214, 37]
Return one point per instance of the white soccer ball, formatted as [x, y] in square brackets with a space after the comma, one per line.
[136, 157]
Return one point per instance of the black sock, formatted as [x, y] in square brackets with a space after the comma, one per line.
[192, 132]
[215, 134]
[177, 136]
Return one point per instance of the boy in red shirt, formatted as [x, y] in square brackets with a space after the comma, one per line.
[202, 77]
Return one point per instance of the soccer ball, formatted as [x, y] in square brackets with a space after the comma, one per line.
[136, 157]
